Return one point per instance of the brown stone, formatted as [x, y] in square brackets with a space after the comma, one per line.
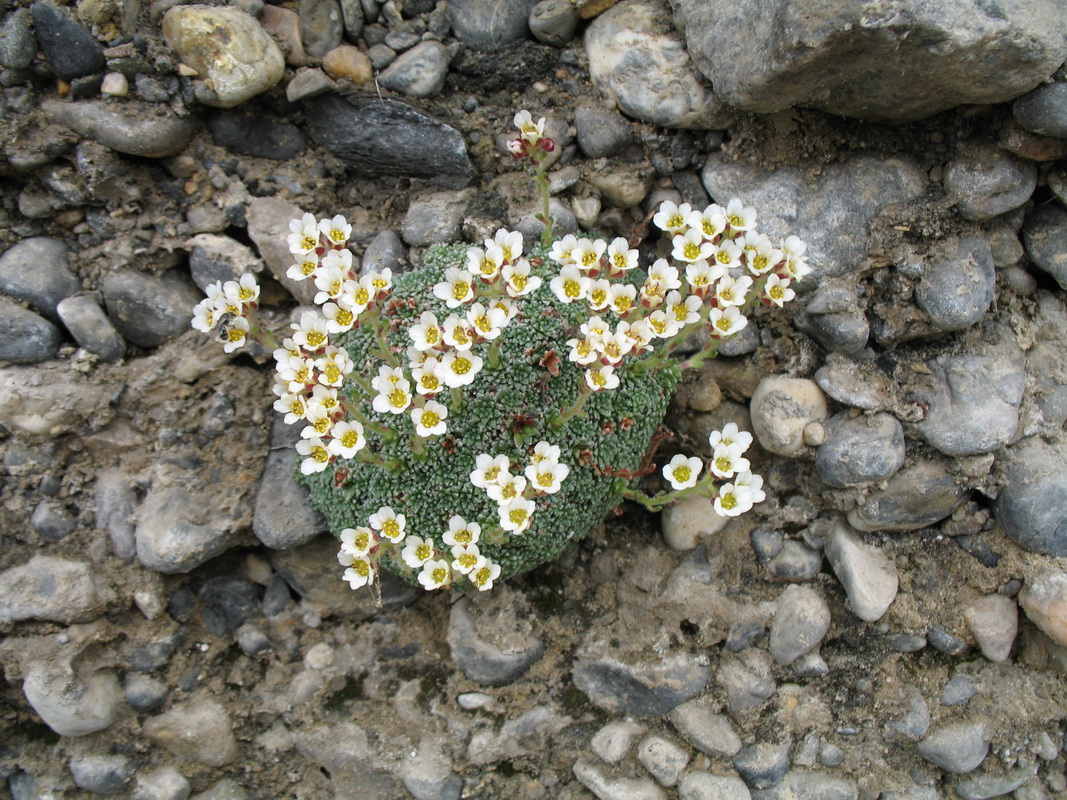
[348, 62]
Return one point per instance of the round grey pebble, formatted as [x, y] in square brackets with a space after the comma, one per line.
[150, 657]
[26, 338]
[705, 786]
[401, 40]
[831, 755]
[144, 692]
[385, 251]
[276, 597]
[70, 50]
[708, 731]
[226, 602]
[860, 449]
[102, 774]
[957, 747]
[53, 521]
[321, 26]
[252, 640]
[17, 43]
[479, 659]
[664, 759]
[435, 218]
[766, 542]
[1045, 237]
[381, 56]
[613, 741]
[420, 72]
[91, 327]
[800, 622]
[490, 25]
[958, 691]
[834, 318]
[132, 130]
[915, 497]
[1032, 506]
[35, 270]
[165, 783]
[986, 182]
[944, 641]
[601, 132]
[762, 765]
[986, 787]
[956, 290]
[1044, 110]
[811, 785]
[149, 311]
[554, 22]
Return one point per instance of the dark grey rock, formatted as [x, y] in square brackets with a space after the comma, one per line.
[872, 62]
[958, 747]
[767, 543]
[915, 497]
[134, 131]
[114, 499]
[385, 251]
[762, 765]
[1044, 358]
[381, 56]
[260, 137]
[431, 774]
[154, 89]
[17, 43]
[490, 25]
[800, 622]
[958, 691]
[226, 602]
[912, 719]
[554, 22]
[973, 397]
[26, 338]
[53, 520]
[91, 327]
[796, 562]
[276, 597]
[472, 646]
[986, 182]
[834, 318]
[1032, 505]
[387, 138]
[252, 640]
[144, 692]
[905, 642]
[150, 657]
[1045, 237]
[944, 641]
[957, 289]
[170, 537]
[860, 449]
[601, 131]
[419, 72]
[70, 50]
[985, 787]
[401, 40]
[742, 635]
[855, 383]
[352, 14]
[148, 310]
[519, 66]
[215, 258]
[831, 755]
[643, 689]
[804, 785]
[102, 774]
[832, 212]
[741, 344]
[1044, 110]
[283, 516]
[35, 270]
[322, 26]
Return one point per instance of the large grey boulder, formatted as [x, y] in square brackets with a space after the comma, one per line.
[891, 60]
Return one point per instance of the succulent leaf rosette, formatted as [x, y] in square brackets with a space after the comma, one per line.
[467, 421]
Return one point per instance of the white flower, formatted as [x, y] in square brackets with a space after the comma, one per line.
[347, 439]
[588, 253]
[562, 249]
[664, 325]
[621, 298]
[205, 317]
[599, 294]
[488, 323]
[760, 255]
[601, 379]
[459, 333]
[517, 515]
[304, 267]
[417, 551]
[460, 369]
[311, 332]
[336, 230]
[389, 378]
[508, 306]
[621, 257]
[244, 291]
[394, 401]
[234, 334]
[739, 217]
[461, 532]
[754, 483]
[583, 351]
[710, 222]
[595, 328]
[428, 377]
[702, 276]
[380, 282]
[430, 419]
[726, 321]
[488, 469]
[486, 263]
[456, 288]
[731, 436]
[324, 396]
[509, 242]
[484, 573]
[303, 235]
[317, 457]
[545, 452]
[528, 129]
[358, 541]
[692, 246]
[426, 333]
[361, 573]
[776, 291]
[319, 422]
[519, 282]
[640, 334]
[435, 574]
[663, 273]
[683, 472]
[570, 285]
[733, 500]
[547, 476]
[727, 460]
[338, 318]
[506, 488]
[685, 312]
[671, 217]
[465, 558]
[389, 523]
[330, 281]
[334, 366]
[613, 347]
[732, 292]
[292, 405]
[728, 254]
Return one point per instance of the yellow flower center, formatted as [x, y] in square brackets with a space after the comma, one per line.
[517, 516]
[675, 221]
[728, 501]
[343, 317]
[320, 454]
[599, 297]
[391, 528]
[459, 333]
[776, 292]
[692, 251]
[430, 419]
[723, 257]
[303, 375]
[297, 408]
[723, 324]
[362, 540]
[545, 478]
[708, 228]
[572, 289]
[315, 339]
[423, 552]
[439, 575]
[337, 235]
[723, 464]
[361, 568]
[308, 267]
[726, 294]
[519, 282]
[245, 293]
[491, 473]
[362, 296]
[658, 325]
[460, 289]
[430, 382]
[589, 257]
[623, 304]
[350, 439]
[398, 398]
[332, 372]
[321, 425]
[481, 577]
[759, 263]
[461, 366]
[682, 474]
[488, 266]
[680, 312]
[235, 334]
[598, 378]
[467, 560]
[309, 243]
[736, 221]
[462, 537]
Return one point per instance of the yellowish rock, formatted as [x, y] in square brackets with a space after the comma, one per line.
[348, 62]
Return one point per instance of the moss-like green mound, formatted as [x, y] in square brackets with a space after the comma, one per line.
[507, 410]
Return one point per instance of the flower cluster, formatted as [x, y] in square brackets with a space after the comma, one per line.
[727, 462]
[531, 142]
[228, 306]
[514, 494]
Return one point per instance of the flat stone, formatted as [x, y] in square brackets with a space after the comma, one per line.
[651, 78]
[214, 258]
[1044, 110]
[800, 622]
[705, 786]
[431, 775]
[71, 51]
[388, 138]
[834, 317]
[860, 449]
[419, 72]
[762, 765]
[198, 730]
[986, 182]
[35, 270]
[795, 562]
[490, 638]
[915, 497]
[435, 218]
[994, 621]
[147, 310]
[490, 25]
[607, 788]
[164, 783]
[175, 533]
[52, 589]
[554, 22]
[664, 759]
[1032, 505]
[102, 774]
[283, 515]
[18, 45]
[747, 679]
[958, 691]
[959, 747]
[91, 328]
[832, 212]
[50, 399]
[704, 728]
[268, 227]
[643, 689]
[385, 251]
[53, 521]
[956, 289]
[868, 577]
[71, 704]
[781, 409]
[854, 383]
[1045, 236]
[809, 785]
[601, 131]
[144, 692]
[873, 62]
[137, 130]
[613, 741]
[911, 718]
[229, 50]
[256, 136]
[26, 338]
[1044, 599]
[321, 26]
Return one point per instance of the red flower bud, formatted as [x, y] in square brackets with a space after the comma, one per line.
[547, 145]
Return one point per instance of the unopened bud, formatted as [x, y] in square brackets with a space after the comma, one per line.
[547, 145]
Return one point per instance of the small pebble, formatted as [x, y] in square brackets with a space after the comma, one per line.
[115, 85]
